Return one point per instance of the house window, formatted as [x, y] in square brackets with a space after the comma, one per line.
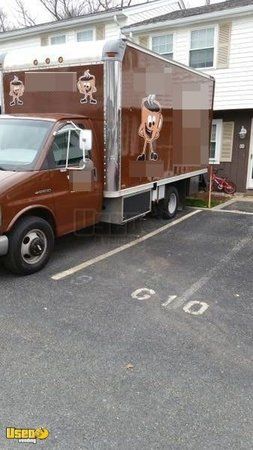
[202, 48]
[216, 142]
[163, 45]
[55, 40]
[86, 35]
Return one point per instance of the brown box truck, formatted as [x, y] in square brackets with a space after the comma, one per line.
[96, 131]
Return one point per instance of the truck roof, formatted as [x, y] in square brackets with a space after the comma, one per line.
[81, 53]
[33, 58]
[53, 117]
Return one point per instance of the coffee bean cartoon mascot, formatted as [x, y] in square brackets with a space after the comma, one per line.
[87, 86]
[151, 124]
[17, 89]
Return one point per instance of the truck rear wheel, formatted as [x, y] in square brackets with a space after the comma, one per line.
[169, 205]
[30, 246]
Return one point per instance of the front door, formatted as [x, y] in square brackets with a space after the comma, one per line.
[77, 193]
[250, 163]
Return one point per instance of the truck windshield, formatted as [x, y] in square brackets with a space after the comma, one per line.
[21, 141]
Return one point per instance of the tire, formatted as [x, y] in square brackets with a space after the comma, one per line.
[169, 205]
[31, 243]
[230, 188]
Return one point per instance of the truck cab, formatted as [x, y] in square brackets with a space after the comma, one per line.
[50, 184]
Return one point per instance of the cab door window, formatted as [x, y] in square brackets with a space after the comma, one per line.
[60, 146]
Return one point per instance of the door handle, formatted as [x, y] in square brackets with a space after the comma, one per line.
[95, 173]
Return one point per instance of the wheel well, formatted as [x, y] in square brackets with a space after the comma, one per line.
[40, 212]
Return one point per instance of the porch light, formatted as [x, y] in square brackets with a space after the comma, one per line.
[242, 132]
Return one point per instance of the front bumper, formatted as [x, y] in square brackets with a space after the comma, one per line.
[4, 245]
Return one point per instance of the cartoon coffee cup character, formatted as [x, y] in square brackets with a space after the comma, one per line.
[87, 86]
[151, 124]
[17, 89]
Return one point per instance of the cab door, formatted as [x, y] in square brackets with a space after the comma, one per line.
[76, 189]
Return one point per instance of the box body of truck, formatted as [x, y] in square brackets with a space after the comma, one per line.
[150, 119]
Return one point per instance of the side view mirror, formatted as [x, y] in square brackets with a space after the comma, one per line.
[85, 140]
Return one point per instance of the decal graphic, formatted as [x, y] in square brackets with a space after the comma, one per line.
[87, 86]
[151, 124]
[17, 89]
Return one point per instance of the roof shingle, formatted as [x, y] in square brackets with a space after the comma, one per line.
[182, 13]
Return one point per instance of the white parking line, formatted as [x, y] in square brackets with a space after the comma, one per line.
[168, 302]
[233, 211]
[91, 262]
[195, 287]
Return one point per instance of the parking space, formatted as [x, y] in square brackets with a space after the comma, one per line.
[242, 206]
[145, 341]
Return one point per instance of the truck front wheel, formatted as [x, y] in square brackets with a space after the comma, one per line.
[30, 246]
[169, 205]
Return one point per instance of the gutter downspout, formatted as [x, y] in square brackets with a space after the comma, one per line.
[115, 20]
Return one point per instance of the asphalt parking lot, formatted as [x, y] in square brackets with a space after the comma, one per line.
[148, 348]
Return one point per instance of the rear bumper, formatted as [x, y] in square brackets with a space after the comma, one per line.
[4, 245]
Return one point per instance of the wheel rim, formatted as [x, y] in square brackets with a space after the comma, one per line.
[229, 189]
[172, 204]
[34, 246]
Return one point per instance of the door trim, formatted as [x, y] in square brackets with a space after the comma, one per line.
[249, 182]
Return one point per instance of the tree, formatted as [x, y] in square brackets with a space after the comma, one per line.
[64, 9]
[61, 9]
[4, 24]
[24, 17]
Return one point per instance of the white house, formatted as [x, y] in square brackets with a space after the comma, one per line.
[100, 25]
[217, 39]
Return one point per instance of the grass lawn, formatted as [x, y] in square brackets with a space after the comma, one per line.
[200, 200]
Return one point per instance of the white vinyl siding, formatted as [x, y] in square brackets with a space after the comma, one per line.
[20, 43]
[163, 45]
[202, 48]
[112, 30]
[181, 46]
[233, 83]
[60, 39]
[234, 87]
[85, 35]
